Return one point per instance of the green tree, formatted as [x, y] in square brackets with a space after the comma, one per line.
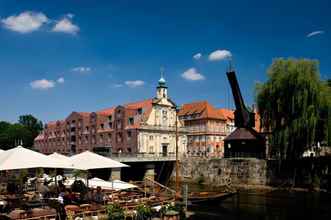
[14, 133]
[32, 123]
[3, 126]
[26, 130]
[290, 103]
[324, 123]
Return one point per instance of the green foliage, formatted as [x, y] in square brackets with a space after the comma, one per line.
[22, 175]
[31, 123]
[13, 133]
[52, 173]
[115, 212]
[79, 186]
[316, 183]
[173, 207]
[329, 127]
[144, 212]
[290, 104]
[80, 173]
[26, 130]
[39, 172]
[201, 180]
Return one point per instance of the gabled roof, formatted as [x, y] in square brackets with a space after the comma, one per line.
[107, 111]
[84, 114]
[228, 114]
[202, 110]
[140, 104]
[244, 134]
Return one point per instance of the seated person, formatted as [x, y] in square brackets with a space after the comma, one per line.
[89, 196]
[99, 196]
[44, 190]
[69, 197]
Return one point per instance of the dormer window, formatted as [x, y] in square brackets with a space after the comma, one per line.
[131, 121]
[140, 111]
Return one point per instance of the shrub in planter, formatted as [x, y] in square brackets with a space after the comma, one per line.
[115, 212]
[316, 183]
[144, 212]
[173, 207]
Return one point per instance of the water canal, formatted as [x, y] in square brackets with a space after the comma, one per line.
[278, 205]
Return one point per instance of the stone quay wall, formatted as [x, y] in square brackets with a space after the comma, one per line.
[219, 172]
[248, 171]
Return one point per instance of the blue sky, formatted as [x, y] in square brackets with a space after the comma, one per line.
[61, 56]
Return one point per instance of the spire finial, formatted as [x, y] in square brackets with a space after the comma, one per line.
[162, 71]
[162, 80]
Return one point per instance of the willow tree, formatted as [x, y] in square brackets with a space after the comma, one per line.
[289, 104]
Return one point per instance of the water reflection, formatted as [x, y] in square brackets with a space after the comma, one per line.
[278, 205]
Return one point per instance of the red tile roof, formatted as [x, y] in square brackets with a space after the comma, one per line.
[107, 111]
[228, 114]
[202, 110]
[140, 104]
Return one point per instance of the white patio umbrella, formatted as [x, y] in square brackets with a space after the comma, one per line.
[60, 157]
[88, 161]
[23, 158]
[63, 158]
[110, 185]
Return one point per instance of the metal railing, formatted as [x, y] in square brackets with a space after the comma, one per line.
[170, 156]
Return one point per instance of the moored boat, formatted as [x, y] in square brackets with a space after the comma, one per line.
[207, 197]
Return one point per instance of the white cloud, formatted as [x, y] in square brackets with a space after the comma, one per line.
[192, 75]
[42, 84]
[65, 25]
[314, 33]
[134, 83]
[82, 69]
[219, 55]
[197, 56]
[25, 22]
[60, 80]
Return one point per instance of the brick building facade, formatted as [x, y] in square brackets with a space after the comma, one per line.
[144, 127]
[207, 127]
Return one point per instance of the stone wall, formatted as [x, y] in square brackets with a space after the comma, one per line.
[224, 171]
[249, 171]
